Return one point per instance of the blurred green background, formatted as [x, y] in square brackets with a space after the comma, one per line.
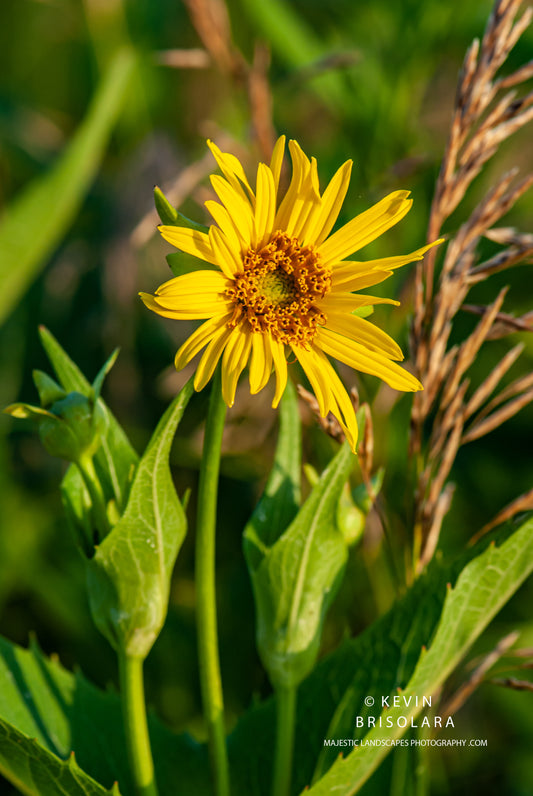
[133, 84]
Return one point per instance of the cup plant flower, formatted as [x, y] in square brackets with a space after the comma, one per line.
[275, 279]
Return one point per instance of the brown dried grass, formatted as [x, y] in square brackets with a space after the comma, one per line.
[448, 413]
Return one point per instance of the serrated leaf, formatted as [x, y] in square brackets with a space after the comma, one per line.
[129, 576]
[47, 712]
[115, 460]
[37, 772]
[482, 588]
[49, 204]
[296, 578]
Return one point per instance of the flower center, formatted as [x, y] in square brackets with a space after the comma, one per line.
[278, 290]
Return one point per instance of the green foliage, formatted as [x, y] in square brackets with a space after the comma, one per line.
[36, 222]
[482, 588]
[36, 772]
[129, 576]
[387, 656]
[48, 713]
[295, 569]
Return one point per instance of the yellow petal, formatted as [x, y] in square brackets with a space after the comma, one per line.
[191, 241]
[340, 301]
[234, 361]
[227, 225]
[228, 259]
[195, 282]
[301, 196]
[331, 204]
[358, 357]
[348, 278]
[317, 378]
[329, 390]
[237, 207]
[344, 411]
[232, 169]
[200, 338]
[365, 227]
[172, 308]
[208, 362]
[280, 366]
[265, 206]
[311, 203]
[359, 330]
[277, 159]
[261, 362]
[198, 294]
[390, 263]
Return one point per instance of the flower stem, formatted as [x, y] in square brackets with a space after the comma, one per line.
[285, 720]
[210, 680]
[135, 724]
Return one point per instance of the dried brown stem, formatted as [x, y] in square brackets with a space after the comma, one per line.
[474, 681]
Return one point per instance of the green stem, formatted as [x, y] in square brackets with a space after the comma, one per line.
[285, 720]
[210, 680]
[135, 724]
[92, 482]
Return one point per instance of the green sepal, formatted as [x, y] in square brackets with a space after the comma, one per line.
[165, 211]
[354, 507]
[363, 312]
[115, 460]
[71, 428]
[170, 216]
[102, 373]
[295, 574]
[27, 412]
[129, 576]
[182, 263]
[49, 390]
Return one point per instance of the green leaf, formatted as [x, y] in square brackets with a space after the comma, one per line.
[46, 208]
[115, 460]
[482, 588]
[129, 576]
[47, 712]
[295, 579]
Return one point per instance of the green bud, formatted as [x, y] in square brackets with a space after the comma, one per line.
[296, 556]
[75, 430]
[129, 575]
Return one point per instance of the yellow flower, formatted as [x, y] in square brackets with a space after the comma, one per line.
[281, 280]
